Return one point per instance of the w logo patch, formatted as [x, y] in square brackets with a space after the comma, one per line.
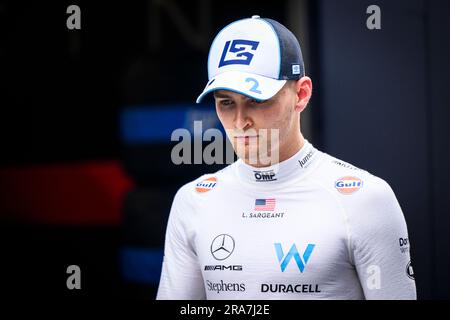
[238, 52]
[293, 253]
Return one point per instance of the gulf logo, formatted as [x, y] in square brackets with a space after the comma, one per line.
[348, 184]
[206, 185]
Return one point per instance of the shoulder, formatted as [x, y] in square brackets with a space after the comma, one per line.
[368, 201]
[369, 204]
[350, 183]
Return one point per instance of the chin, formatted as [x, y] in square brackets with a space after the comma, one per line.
[253, 157]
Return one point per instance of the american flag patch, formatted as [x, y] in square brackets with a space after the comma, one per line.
[265, 204]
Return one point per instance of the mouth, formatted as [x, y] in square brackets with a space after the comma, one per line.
[245, 138]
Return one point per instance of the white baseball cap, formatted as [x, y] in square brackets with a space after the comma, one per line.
[253, 57]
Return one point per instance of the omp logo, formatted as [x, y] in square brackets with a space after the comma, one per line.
[293, 253]
[206, 185]
[263, 176]
[348, 185]
[238, 52]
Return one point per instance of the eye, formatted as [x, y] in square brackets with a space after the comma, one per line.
[225, 102]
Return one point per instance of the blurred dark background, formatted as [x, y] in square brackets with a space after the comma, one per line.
[86, 115]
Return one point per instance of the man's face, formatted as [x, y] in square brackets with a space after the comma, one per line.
[259, 131]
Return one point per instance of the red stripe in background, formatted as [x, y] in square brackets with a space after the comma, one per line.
[88, 193]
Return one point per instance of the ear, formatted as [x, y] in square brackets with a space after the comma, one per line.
[303, 88]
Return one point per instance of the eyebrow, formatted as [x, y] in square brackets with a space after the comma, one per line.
[221, 95]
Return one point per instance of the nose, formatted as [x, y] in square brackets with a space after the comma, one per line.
[242, 121]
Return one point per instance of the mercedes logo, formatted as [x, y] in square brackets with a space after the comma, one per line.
[222, 246]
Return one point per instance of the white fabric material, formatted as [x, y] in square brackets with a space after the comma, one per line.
[348, 230]
[266, 57]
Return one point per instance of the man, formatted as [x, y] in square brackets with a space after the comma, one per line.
[288, 222]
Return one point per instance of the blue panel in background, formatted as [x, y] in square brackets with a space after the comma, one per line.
[155, 124]
[141, 265]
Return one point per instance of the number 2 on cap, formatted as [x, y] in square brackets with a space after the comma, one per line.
[255, 85]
